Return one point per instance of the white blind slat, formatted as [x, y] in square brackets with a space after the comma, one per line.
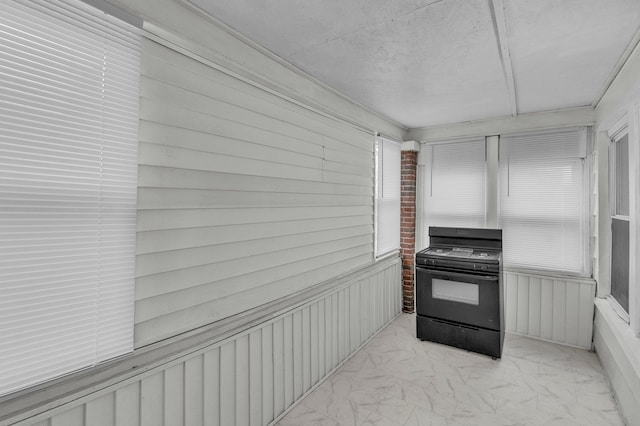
[68, 170]
[388, 197]
[542, 201]
[454, 185]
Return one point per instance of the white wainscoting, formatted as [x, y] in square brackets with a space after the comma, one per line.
[555, 309]
[254, 376]
[619, 352]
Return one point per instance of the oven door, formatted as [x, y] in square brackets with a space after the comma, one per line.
[459, 297]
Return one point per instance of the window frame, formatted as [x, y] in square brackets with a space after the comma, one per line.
[492, 194]
[378, 188]
[587, 269]
[425, 174]
[620, 129]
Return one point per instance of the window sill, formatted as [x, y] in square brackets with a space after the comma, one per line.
[388, 255]
[619, 352]
[550, 274]
[629, 343]
[613, 303]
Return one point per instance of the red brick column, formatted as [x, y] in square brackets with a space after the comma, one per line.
[408, 225]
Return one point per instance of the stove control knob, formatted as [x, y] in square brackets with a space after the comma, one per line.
[479, 267]
[431, 262]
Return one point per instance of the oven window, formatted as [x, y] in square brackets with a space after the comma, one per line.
[455, 291]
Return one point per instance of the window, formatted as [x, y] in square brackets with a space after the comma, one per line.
[68, 170]
[453, 191]
[387, 195]
[543, 201]
[619, 193]
[535, 184]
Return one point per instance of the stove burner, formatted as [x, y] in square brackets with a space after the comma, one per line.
[462, 253]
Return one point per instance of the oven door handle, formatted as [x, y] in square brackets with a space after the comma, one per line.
[451, 276]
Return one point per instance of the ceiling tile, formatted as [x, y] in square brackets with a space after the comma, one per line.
[435, 65]
[563, 51]
[431, 62]
[287, 26]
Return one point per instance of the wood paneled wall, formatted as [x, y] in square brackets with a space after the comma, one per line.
[255, 188]
[243, 196]
[553, 309]
[253, 377]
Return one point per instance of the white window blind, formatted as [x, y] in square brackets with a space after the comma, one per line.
[69, 76]
[453, 185]
[543, 211]
[387, 196]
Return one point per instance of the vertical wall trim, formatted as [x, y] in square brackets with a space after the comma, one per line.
[634, 211]
[548, 308]
[492, 149]
[604, 218]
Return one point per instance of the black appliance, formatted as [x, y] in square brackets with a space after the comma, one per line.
[459, 295]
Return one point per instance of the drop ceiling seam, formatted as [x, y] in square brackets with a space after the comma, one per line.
[635, 41]
[425, 63]
[500, 22]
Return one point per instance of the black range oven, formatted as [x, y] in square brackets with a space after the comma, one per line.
[459, 296]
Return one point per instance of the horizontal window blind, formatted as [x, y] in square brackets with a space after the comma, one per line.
[387, 196]
[543, 210]
[453, 185]
[68, 169]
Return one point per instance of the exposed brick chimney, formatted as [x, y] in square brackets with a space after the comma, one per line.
[408, 221]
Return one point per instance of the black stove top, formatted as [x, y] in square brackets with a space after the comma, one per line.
[462, 249]
[462, 253]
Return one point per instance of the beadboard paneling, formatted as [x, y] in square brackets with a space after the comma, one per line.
[253, 377]
[554, 309]
[243, 198]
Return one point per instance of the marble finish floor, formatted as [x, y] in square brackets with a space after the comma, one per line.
[398, 380]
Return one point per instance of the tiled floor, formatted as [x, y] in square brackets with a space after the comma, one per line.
[398, 380]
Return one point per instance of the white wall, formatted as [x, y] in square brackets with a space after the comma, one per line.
[619, 352]
[558, 310]
[255, 189]
[254, 182]
[249, 378]
[221, 46]
[616, 342]
[572, 117]
[243, 198]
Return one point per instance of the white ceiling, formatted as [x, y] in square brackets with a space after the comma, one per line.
[430, 62]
